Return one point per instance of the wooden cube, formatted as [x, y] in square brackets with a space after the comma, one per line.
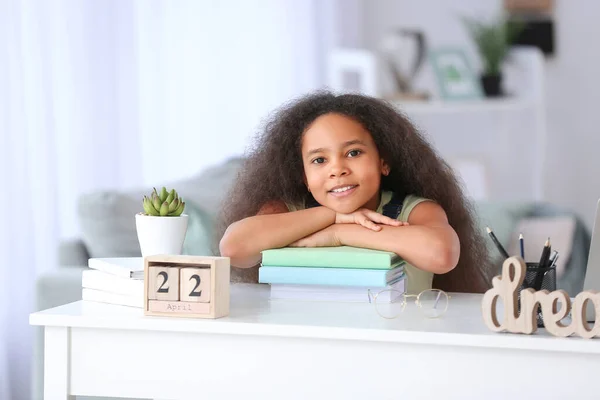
[194, 285]
[203, 286]
[163, 283]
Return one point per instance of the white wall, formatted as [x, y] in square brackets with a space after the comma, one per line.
[209, 75]
[572, 81]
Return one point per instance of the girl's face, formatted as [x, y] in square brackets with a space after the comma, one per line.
[342, 166]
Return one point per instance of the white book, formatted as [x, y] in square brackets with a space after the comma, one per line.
[112, 298]
[126, 267]
[356, 294]
[99, 280]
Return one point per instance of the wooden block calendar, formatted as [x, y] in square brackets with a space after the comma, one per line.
[186, 286]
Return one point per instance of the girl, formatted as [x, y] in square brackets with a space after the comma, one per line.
[322, 172]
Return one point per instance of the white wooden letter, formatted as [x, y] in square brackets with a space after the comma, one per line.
[579, 317]
[552, 315]
[505, 287]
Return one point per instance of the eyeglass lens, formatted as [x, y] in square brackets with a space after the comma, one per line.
[389, 303]
[433, 303]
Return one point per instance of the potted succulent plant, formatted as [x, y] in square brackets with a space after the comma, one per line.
[161, 228]
[493, 41]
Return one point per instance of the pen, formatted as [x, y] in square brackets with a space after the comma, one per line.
[539, 276]
[522, 246]
[497, 243]
[554, 260]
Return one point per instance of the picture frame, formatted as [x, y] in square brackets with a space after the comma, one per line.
[454, 75]
[361, 63]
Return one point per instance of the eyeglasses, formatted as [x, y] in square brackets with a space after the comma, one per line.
[390, 303]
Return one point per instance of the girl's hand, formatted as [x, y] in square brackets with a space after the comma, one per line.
[367, 218]
[324, 238]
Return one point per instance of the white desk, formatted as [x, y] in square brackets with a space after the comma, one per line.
[306, 350]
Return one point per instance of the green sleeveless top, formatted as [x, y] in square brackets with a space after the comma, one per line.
[416, 279]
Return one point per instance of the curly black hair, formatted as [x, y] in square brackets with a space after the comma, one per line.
[273, 170]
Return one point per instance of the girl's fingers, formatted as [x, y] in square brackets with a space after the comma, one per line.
[382, 219]
[370, 219]
[367, 223]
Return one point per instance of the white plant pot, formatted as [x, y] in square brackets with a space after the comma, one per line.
[161, 235]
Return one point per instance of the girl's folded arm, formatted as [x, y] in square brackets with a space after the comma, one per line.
[428, 243]
[273, 227]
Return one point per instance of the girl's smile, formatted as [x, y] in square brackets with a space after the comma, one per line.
[343, 190]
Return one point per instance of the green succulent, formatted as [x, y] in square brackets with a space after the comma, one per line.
[165, 204]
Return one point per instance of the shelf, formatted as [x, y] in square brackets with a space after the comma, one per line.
[463, 106]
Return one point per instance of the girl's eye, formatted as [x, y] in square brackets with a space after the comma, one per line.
[354, 153]
[318, 160]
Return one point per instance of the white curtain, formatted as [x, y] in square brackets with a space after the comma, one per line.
[62, 135]
[115, 94]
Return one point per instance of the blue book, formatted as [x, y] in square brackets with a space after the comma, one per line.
[329, 276]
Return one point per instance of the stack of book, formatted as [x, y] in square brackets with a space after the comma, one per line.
[331, 273]
[118, 280]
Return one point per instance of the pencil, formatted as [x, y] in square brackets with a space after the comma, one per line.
[539, 276]
[546, 262]
[496, 242]
[522, 245]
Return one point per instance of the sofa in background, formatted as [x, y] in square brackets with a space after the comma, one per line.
[108, 230]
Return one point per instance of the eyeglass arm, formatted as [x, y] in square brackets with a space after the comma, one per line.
[437, 299]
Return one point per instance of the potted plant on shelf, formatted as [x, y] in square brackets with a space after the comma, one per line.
[161, 228]
[493, 42]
